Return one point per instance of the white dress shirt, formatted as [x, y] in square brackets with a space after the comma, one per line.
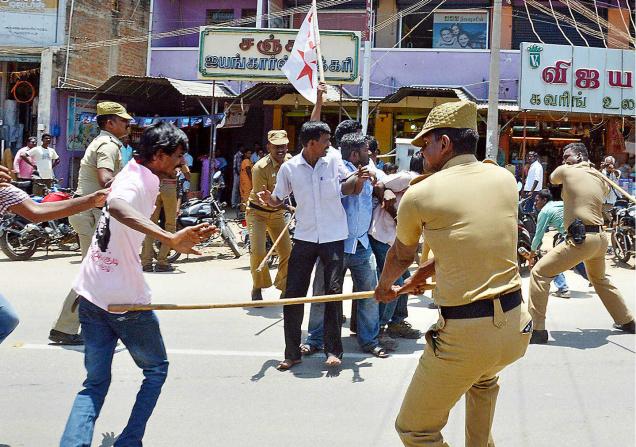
[534, 173]
[320, 216]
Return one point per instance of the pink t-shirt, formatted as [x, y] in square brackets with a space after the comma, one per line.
[111, 271]
[23, 168]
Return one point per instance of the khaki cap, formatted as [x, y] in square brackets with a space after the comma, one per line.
[112, 108]
[456, 115]
[277, 137]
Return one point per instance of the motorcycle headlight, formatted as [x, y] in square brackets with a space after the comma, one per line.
[632, 212]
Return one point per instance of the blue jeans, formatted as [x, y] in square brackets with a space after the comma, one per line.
[396, 310]
[560, 283]
[139, 332]
[8, 318]
[364, 278]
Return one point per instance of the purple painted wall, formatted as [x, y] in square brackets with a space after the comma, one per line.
[390, 69]
[177, 14]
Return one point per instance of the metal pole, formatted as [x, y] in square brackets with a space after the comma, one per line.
[212, 152]
[68, 40]
[366, 71]
[492, 133]
[259, 13]
[149, 44]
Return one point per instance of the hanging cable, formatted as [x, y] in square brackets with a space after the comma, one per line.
[631, 16]
[532, 24]
[620, 11]
[567, 2]
[558, 25]
[599, 25]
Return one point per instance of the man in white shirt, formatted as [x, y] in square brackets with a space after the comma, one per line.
[610, 171]
[534, 180]
[318, 182]
[44, 158]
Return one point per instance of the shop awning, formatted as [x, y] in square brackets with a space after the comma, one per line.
[270, 91]
[424, 91]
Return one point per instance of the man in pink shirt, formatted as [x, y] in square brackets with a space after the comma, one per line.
[22, 167]
[111, 273]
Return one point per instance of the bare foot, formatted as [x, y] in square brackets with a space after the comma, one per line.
[287, 364]
[332, 360]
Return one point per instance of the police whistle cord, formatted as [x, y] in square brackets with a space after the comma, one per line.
[276, 242]
[614, 185]
[264, 303]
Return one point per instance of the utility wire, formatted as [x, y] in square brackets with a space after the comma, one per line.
[558, 25]
[567, 2]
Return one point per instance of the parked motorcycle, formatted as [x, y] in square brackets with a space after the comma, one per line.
[623, 234]
[209, 210]
[528, 220]
[19, 238]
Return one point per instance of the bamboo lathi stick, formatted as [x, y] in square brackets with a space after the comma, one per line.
[264, 303]
[276, 242]
[614, 185]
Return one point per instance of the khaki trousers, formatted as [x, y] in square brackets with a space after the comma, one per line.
[259, 224]
[167, 199]
[565, 256]
[84, 224]
[462, 356]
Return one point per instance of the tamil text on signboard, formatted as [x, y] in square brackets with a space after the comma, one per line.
[31, 23]
[562, 78]
[251, 54]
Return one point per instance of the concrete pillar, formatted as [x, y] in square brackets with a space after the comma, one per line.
[44, 99]
[616, 38]
[388, 36]
[506, 28]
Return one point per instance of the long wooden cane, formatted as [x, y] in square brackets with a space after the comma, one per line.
[615, 186]
[276, 242]
[268, 303]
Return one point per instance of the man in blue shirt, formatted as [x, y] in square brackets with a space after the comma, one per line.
[551, 215]
[357, 258]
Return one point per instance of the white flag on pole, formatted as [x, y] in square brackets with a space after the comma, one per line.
[302, 66]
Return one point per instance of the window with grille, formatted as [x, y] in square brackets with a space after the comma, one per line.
[248, 13]
[218, 16]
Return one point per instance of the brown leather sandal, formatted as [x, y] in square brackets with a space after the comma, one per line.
[287, 364]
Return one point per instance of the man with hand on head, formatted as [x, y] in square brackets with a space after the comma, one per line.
[100, 163]
[317, 182]
[467, 211]
[263, 219]
[112, 274]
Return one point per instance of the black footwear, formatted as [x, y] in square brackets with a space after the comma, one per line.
[164, 268]
[627, 327]
[62, 338]
[403, 330]
[256, 295]
[539, 337]
[148, 268]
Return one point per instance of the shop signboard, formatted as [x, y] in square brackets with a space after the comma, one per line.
[460, 29]
[251, 54]
[32, 23]
[81, 124]
[563, 78]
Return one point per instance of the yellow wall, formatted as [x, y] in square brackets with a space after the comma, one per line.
[616, 39]
[506, 27]
[383, 131]
[277, 122]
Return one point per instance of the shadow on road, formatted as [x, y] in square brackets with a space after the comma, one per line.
[45, 257]
[108, 439]
[585, 338]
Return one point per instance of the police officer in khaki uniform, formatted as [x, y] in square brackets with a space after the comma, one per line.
[101, 162]
[263, 220]
[583, 195]
[467, 211]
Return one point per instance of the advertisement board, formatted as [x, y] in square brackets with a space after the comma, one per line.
[32, 23]
[251, 54]
[460, 30]
[563, 78]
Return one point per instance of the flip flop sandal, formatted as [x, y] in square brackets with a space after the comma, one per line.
[287, 364]
[378, 351]
[306, 349]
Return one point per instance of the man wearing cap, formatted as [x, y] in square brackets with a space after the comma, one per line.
[468, 213]
[101, 162]
[263, 219]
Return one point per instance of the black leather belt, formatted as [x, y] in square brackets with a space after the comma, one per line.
[593, 229]
[481, 308]
[260, 208]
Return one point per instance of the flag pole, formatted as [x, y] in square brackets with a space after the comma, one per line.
[321, 70]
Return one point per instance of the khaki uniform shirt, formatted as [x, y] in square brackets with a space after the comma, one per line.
[468, 213]
[103, 152]
[264, 173]
[583, 193]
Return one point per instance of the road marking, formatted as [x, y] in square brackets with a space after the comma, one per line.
[212, 352]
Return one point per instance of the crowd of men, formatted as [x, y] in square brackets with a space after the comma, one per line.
[350, 216]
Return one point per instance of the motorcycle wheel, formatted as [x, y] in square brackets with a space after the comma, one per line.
[11, 246]
[228, 237]
[622, 245]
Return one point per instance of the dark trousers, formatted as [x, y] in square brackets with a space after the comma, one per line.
[301, 263]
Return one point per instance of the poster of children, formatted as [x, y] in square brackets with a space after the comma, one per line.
[460, 30]
[82, 125]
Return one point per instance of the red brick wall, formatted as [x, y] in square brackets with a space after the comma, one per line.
[97, 20]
